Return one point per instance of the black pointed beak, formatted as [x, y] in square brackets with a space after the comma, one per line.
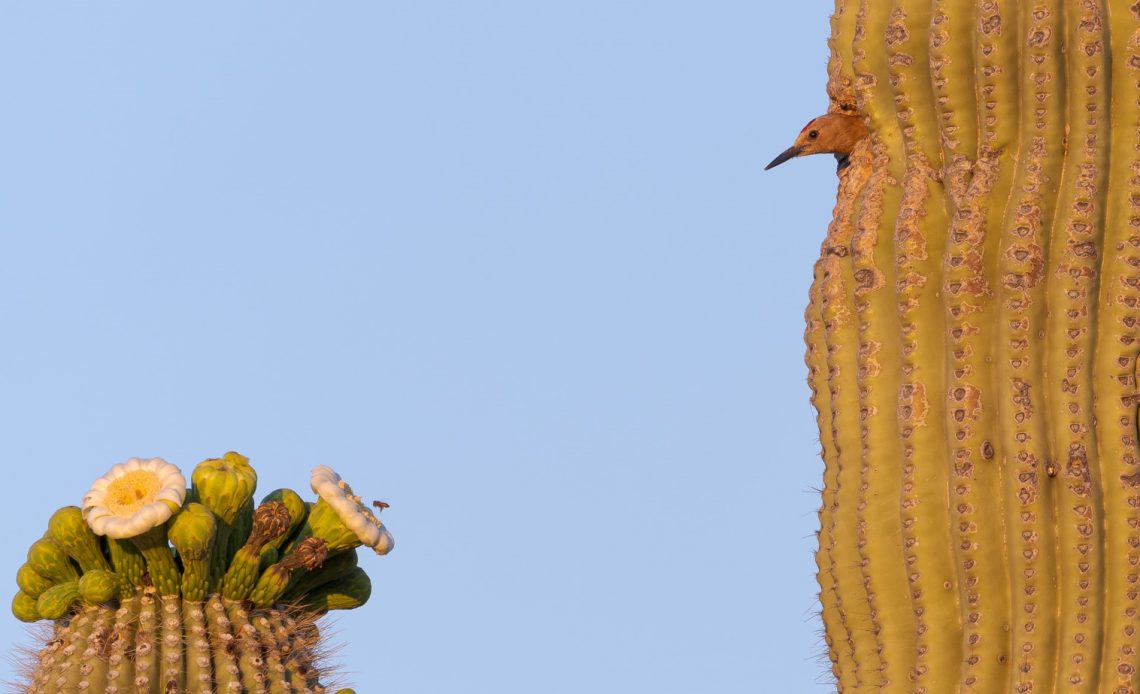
[787, 154]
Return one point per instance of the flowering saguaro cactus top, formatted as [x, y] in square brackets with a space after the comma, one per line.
[155, 587]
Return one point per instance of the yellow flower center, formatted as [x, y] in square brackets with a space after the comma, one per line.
[132, 491]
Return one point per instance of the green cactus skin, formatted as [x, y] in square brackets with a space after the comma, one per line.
[973, 333]
[824, 322]
[239, 533]
[878, 387]
[56, 601]
[919, 248]
[98, 586]
[242, 574]
[971, 311]
[842, 283]
[1022, 309]
[147, 642]
[155, 548]
[1073, 264]
[24, 607]
[172, 651]
[126, 561]
[276, 675]
[67, 672]
[269, 557]
[835, 632]
[250, 663]
[199, 672]
[951, 66]
[1115, 368]
[120, 646]
[50, 561]
[227, 674]
[93, 666]
[31, 582]
[70, 531]
[345, 593]
[192, 532]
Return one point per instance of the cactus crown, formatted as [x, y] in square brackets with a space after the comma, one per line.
[231, 606]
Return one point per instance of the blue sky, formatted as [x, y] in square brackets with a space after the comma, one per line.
[513, 267]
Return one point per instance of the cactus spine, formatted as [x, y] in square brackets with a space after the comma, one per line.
[972, 338]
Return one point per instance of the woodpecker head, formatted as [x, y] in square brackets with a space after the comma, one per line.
[835, 133]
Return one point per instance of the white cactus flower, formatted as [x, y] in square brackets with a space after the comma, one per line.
[134, 497]
[351, 511]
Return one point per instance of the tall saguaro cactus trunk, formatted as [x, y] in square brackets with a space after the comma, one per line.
[972, 340]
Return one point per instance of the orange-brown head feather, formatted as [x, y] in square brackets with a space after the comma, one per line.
[835, 133]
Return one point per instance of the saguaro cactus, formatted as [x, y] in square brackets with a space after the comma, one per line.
[972, 338]
[131, 616]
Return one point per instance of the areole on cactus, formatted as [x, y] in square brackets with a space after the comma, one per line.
[972, 333]
[146, 596]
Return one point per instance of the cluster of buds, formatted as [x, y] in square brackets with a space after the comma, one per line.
[143, 534]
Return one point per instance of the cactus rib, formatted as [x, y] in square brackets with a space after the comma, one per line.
[1115, 368]
[952, 80]
[840, 330]
[835, 632]
[970, 310]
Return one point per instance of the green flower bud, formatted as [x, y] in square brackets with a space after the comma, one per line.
[98, 586]
[240, 529]
[128, 562]
[345, 593]
[192, 533]
[71, 532]
[57, 600]
[24, 607]
[50, 561]
[224, 485]
[269, 557]
[31, 582]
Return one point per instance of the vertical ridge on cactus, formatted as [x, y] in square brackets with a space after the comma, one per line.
[1115, 366]
[972, 333]
[153, 624]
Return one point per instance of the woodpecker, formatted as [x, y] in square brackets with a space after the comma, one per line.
[835, 133]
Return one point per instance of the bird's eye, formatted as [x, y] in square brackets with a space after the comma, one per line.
[813, 134]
